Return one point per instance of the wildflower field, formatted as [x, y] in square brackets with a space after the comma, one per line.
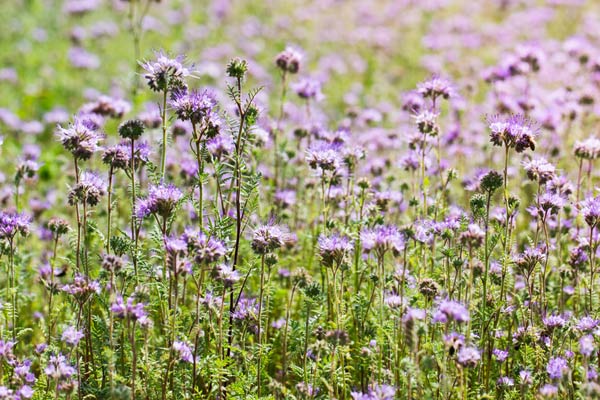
[299, 199]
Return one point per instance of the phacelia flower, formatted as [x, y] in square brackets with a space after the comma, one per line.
[198, 107]
[324, 155]
[557, 367]
[165, 74]
[116, 157]
[540, 170]
[88, 190]
[516, 132]
[588, 149]
[468, 357]
[161, 200]
[308, 88]
[184, 351]
[71, 336]
[80, 138]
[203, 249]
[449, 310]
[383, 238]
[332, 249]
[436, 87]
[12, 224]
[130, 310]
[289, 60]
[590, 209]
[267, 238]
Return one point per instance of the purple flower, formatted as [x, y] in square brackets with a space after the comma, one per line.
[117, 157]
[589, 149]
[586, 345]
[130, 310]
[449, 310]
[525, 377]
[590, 209]
[587, 324]
[505, 381]
[285, 198]
[6, 350]
[267, 238]
[184, 351]
[82, 287]
[247, 310]
[324, 155]
[549, 202]
[592, 373]
[376, 392]
[540, 170]
[199, 108]
[548, 391]
[203, 249]
[554, 321]
[557, 367]
[516, 132]
[71, 336]
[308, 88]
[164, 73]
[427, 122]
[161, 200]
[224, 273]
[107, 106]
[80, 138]
[382, 239]
[83, 59]
[468, 357]
[307, 390]
[473, 236]
[436, 87]
[289, 60]
[500, 355]
[12, 224]
[25, 392]
[332, 249]
[88, 190]
[58, 368]
[221, 145]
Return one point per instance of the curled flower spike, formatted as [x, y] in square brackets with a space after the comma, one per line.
[588, 149]
[332, 249]
[449, 310]
[165, 74]
[161, 200]
[203, 249]
[468, 357]
[198, 107]
[383, 238]
[308, 89]
[590, 209]
[436, 87]
[12, 224]
[540, 170]
[267, 238]
[80, 138]
[516, 132]
[289, 60]
[131, 310]
[89, 190]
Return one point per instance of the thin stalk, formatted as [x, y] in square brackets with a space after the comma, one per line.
[109, 208]
[163, 117]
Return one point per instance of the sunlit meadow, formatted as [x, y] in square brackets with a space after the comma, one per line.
[295, 199]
